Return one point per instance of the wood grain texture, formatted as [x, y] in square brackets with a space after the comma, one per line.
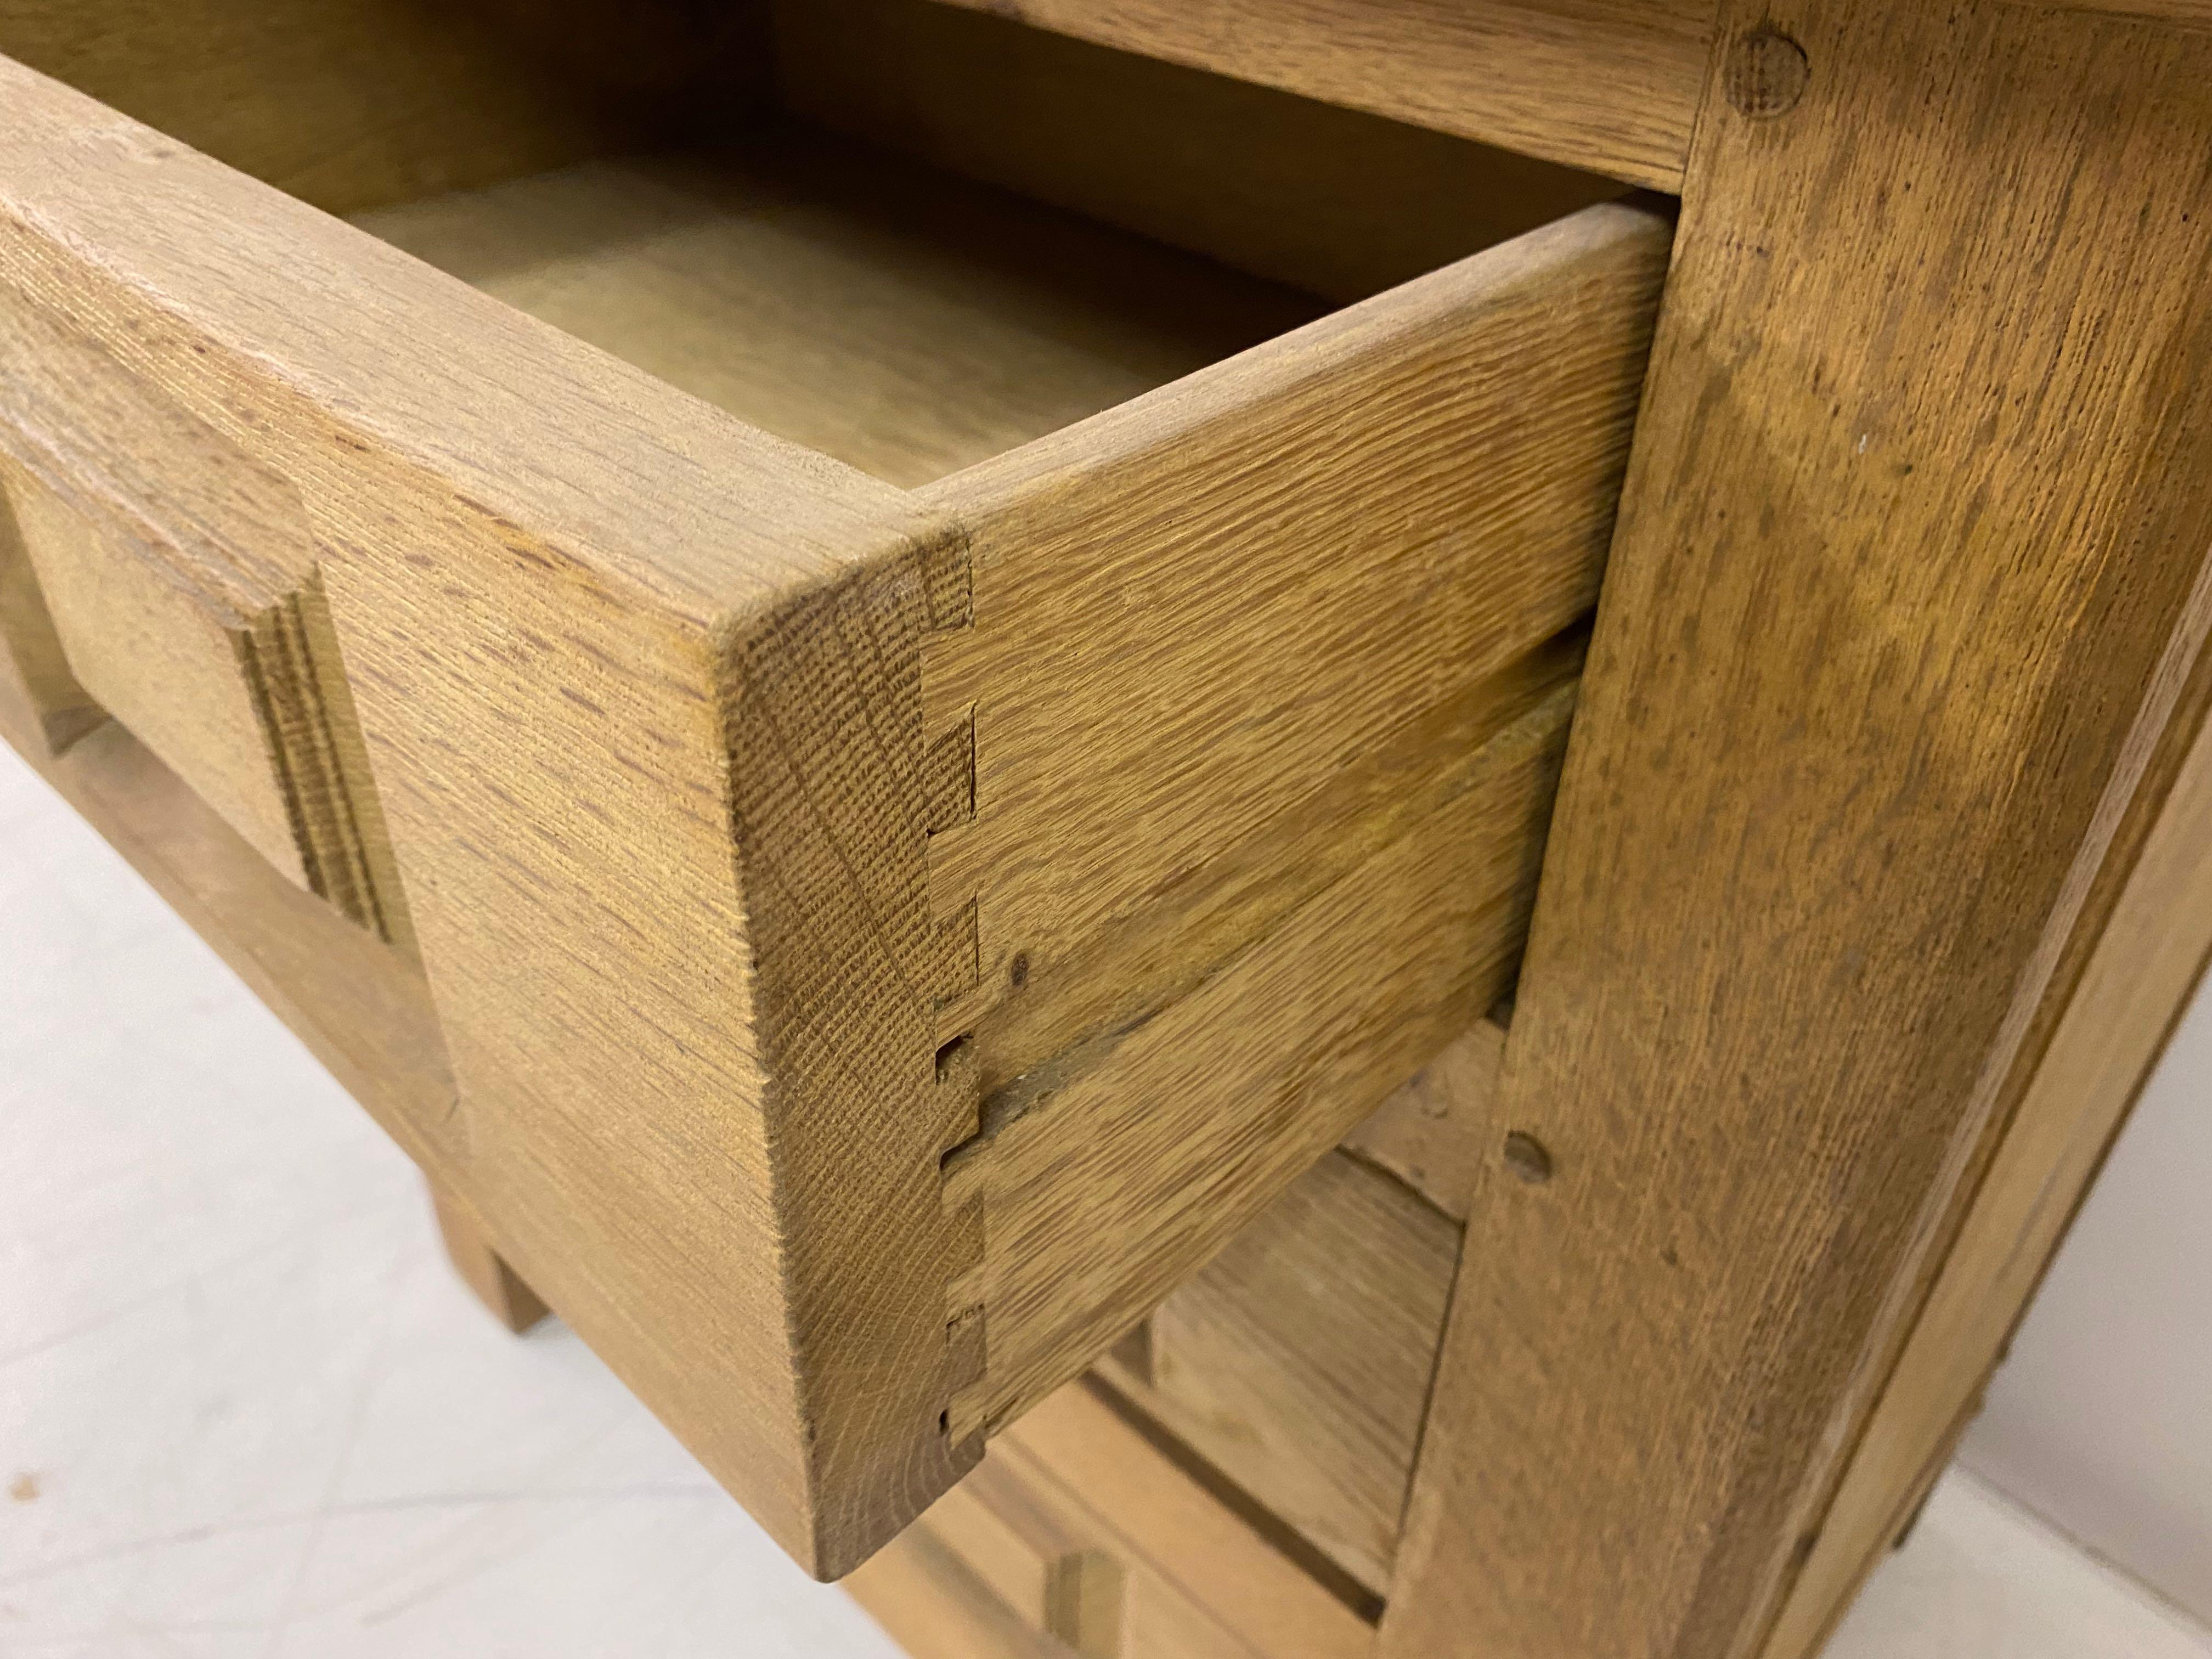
[176, 667]
[1436, 1131]
[2195, 14]
[723, 1071]
[1100, 1182]
[934, 1605]
[1608, 86]
[352, 104]
[480, 1266]
[1051, 1574]
[360, 1008]
[882, 313]
[1053, 1019]
[667, 718]
[1331, 200]
[1931, 444]
[1201, 1581]
[1180, 804]
[1298, 1361]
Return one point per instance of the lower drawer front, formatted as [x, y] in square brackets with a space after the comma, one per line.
[1078, 1535]
[1297, 1363]
[936, 1606]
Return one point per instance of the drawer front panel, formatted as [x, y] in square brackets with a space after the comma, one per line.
[543, 568]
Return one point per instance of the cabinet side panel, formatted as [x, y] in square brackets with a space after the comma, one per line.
[1910, 570]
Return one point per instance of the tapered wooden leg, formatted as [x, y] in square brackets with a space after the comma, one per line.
[497, 1286]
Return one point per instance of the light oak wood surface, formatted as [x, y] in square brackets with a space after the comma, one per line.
[538, 243]
[873, 311]
[1436, 1132]
[178, 578]
[1051, 1573]
[1821, 844]
[672, 538]
[1608, 86]
[935, 1605]
[1273, 567]
[347, 104]
[924, 786]
[2142, 962]
[487, 1273]
[1176, 827]
[1169, 1138]
[367, 1016]
[1298, 1363]
[1201, 1581]
[56, 711]
[358, 1006]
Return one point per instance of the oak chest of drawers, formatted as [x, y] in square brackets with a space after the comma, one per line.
[878, 673]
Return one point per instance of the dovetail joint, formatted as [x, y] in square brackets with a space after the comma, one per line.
[948, 586]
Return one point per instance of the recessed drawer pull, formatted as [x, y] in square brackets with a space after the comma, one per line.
[179, 576]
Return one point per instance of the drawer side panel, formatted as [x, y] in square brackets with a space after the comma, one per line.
[1267, 676]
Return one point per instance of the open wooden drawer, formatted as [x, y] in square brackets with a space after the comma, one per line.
[904, 863]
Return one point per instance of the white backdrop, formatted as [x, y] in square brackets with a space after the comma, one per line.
[2102, 1417]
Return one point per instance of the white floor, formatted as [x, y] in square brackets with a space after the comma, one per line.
[1983, 1579]
[246, 1411]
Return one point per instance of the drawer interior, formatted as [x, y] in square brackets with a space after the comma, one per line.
[847, 222]
[846, 299]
